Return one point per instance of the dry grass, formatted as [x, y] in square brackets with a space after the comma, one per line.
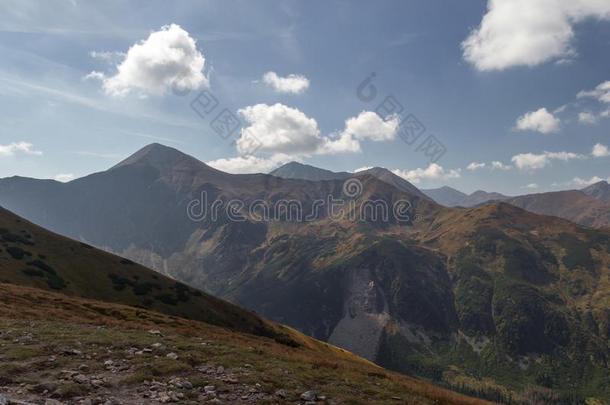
[92, 326]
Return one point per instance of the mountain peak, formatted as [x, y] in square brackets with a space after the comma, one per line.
[602, 183]
[599, 190]
[161, 157]
[387, 176]
[296, 170]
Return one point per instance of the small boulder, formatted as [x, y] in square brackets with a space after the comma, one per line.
[309, 396]
[80, 379]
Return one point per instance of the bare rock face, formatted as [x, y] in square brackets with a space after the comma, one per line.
[366, 315]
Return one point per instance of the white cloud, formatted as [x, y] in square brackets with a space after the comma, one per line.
[95, 76]
[586, 117]
[107, 56]
[476, 166]
[369, 125]
[168, 59]
[540, 120]
[577, 181]
[531, 186]
[293, 83]
[64, 177]
[249, 164]
[361, 169]
[528, 32]
[278, 129]
[366, 126]
[497, 165]
[531, 161]
[432, 172]
[18, 147]
[341, 143]
[276, 134]
[601, 93]
[600, 150]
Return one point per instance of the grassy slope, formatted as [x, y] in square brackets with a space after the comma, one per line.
[33, 256]
[103, 331]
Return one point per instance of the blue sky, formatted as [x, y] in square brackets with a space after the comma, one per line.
[492, 86]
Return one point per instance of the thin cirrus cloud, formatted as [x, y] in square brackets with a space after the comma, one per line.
[167, 60]
[601, 93]
[16, 148]
[277, 133]
[293, 83]
[540, 120]
[528, 32]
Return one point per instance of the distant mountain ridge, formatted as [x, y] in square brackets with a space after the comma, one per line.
[451, 197]
[589, 206]
[574, 205]
[296, 170]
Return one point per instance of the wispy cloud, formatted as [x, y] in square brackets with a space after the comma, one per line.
[72, 97]
[97, 154]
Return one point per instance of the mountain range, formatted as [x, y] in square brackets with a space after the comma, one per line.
[491, 293]
[589, 206]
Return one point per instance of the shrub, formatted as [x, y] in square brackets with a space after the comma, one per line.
[17, 253]
[42, 266]
[55, 282]
[33, 272]
[168, 299]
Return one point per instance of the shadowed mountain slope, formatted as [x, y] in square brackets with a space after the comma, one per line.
[32, 256]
